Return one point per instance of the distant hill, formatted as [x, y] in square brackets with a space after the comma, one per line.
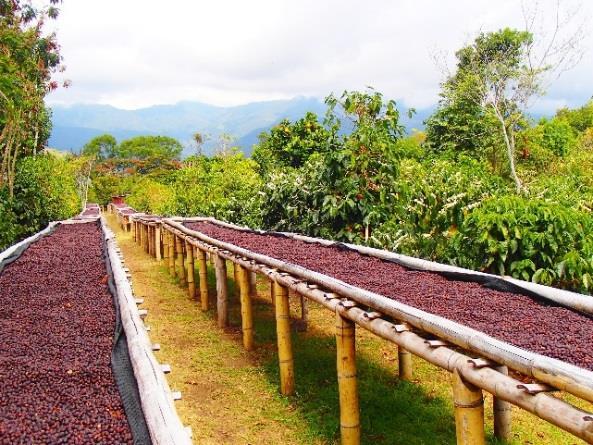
[74, 125]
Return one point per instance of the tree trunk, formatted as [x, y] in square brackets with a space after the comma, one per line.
[510, 145]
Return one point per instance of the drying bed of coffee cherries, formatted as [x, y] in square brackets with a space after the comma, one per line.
[532, 324]
[56, 332]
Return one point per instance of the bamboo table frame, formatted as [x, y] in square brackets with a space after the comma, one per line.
[472, 373]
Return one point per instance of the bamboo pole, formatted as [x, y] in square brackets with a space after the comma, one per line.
[469, 411]
[191, 285]
[165, 246]
[404, 360]
[172, 255]
[221, 291]
[146, 239]
[202, 265]
[246, 308]
[502, 413]
[180, 265]
[253, 284]
[285, 357]
[150, 240]
[236, 279]
[153, 241]
[157, 239]
[347, 386]
[135, 223]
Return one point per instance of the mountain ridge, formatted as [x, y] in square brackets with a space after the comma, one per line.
[74, 125]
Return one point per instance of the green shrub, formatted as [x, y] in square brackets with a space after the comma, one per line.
[529, 239]
[44, 191]
[434, 197]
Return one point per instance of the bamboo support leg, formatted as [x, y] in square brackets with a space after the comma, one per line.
[502, 413]
[146, 238]
[404, 360]
[191, 285]
[202, 265]
[253, 284]
[153, 241]
[246, 308]
[165, 247]
[135, 231]
[347, 386]
[285, 357]
[272, 295]
[157, 240]
[172, 255]
[180, 265]
[236, 279]
[221, 292]
[150, 240]
[469, 412]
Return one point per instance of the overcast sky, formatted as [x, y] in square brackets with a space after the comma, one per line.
[135, 53]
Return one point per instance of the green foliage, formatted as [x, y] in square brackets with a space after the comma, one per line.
[28, 58]
[290, 144]
[435, 197]
[225, 186]
[349, 188]
[481, 106]
[100, 147]
[149, 147]
[529, 239]
[44, 191]
[150, 196]
[580, 119]
[556, 136]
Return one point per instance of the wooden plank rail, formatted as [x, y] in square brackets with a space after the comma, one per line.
[470, 374]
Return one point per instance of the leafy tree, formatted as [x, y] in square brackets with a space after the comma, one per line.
[44, 191]
[434, 199]
[101, 147]
[150, 147]
[493, 82]
[27, 61]
[580, 119]
[496, 77]
[349, 189]
[290, 144]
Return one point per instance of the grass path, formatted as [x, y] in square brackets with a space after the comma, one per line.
[231, 396]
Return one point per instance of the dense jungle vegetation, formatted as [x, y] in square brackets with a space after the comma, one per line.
[483, 187]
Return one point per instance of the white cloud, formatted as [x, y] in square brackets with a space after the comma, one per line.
[136, 53]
